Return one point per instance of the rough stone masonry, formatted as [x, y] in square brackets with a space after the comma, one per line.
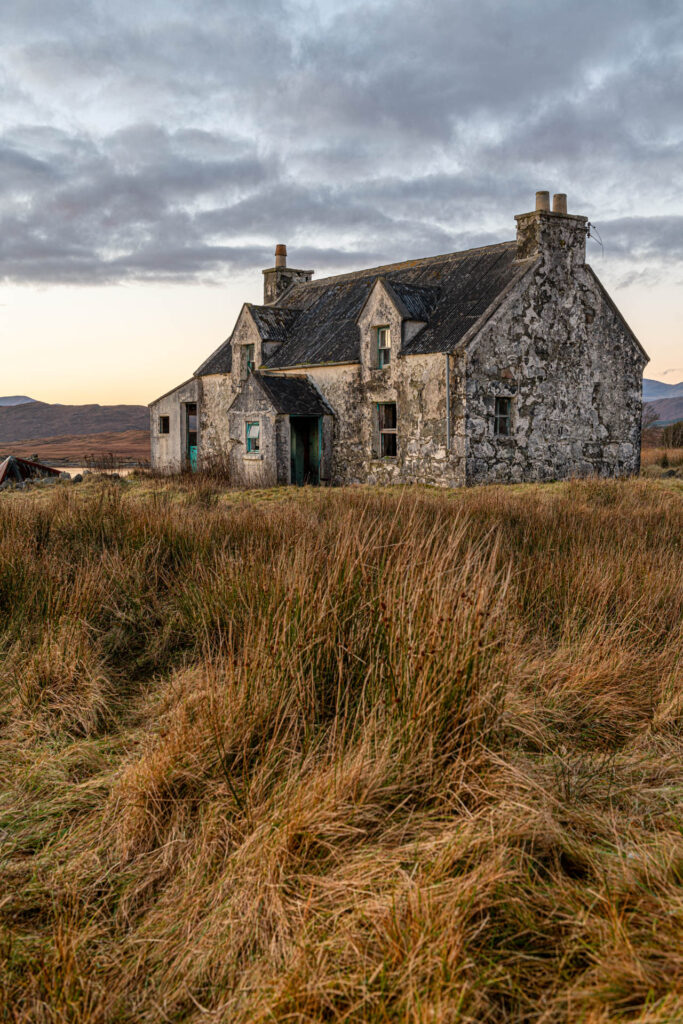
[505, 363]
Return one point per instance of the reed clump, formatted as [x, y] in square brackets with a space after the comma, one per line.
[352, 755]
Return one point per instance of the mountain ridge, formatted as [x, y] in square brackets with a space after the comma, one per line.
[7, 400]
[654, 389]
[41, 420]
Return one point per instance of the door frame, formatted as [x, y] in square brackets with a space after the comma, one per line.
[292, 421]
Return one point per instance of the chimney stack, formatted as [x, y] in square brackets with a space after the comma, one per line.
[556, 236]
[279, 278]
[560, 202]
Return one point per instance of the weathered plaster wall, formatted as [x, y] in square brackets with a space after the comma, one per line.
[558, 350]
[268, 467]
[168, 450]
[418, 386]
[218, 392]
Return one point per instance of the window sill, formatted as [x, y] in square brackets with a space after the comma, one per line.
[252, 456]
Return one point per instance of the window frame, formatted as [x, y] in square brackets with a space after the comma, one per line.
[383, 359]
[249, 364]
[502, 418]
[164, 425]
[387, 432]
[251, 450]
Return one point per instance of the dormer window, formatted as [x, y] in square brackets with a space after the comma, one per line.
[249, 356]
[383, 347]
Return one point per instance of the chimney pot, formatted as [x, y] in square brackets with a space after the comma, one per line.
[280, 255]
[560, 202]
[543, 201]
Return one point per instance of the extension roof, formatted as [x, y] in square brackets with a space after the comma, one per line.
[294, 396]
[316, 321]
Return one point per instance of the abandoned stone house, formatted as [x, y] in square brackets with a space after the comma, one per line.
[504, 363]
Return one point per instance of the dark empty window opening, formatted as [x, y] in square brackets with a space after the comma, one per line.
[249, 358]
[164, 425]
[253, 438]
[386, 417]
[383, 346]
[502, 417]
[191, 408]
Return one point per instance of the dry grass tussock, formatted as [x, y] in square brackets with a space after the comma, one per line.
[341, 756]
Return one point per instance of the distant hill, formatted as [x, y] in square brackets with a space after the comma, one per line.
[40, 420]
[668, 410]
[15, 400]
[73, 450]
[654, 389]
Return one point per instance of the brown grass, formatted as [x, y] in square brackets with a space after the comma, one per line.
[347, 755]
[654, 456]
[74, 449]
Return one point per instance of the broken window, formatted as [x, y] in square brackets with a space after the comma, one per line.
[386, 416]
[249, 358]
[502, 417]
[383, 346]
[253, 437]
[164, 426]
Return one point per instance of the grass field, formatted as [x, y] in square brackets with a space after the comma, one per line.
[341, 755]
[74, 450]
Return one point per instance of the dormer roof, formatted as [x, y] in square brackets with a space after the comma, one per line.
[272, 322]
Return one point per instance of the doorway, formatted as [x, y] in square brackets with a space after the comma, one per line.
[306, 444]
[191, 435]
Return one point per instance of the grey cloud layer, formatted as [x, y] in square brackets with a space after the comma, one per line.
[175, 140]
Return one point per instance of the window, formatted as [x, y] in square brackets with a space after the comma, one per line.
[164, 427]
[386, 416]
[383, 346]
[253, 437]
[248, 358]
[502, 417]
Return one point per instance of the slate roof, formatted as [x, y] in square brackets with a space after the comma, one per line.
[451, 292]
[315, 321]
[219, 361]
[295, 396]
[273, 322]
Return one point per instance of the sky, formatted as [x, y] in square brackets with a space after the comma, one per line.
[152, 155]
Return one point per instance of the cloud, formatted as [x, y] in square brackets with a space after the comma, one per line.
[179, 141]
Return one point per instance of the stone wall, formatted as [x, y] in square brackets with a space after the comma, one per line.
[558, 349]
[418, 386]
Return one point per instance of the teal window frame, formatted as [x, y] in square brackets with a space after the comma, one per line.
[253, 443]
[386, 434]
[249, 357]
[383, 351]
[502, 416]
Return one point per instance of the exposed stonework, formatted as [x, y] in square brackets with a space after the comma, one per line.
[527, 322]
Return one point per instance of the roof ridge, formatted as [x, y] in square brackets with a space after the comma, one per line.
[383, 268]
